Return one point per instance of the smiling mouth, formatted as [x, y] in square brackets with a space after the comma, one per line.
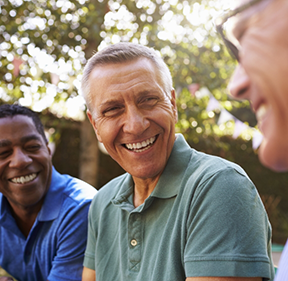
[24, 179]
[261, 112]
[141, 146]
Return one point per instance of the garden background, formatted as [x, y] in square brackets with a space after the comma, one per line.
[45, 44]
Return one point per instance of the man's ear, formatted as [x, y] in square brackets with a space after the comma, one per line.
[174, 106]
[93, 123]
[49, 150]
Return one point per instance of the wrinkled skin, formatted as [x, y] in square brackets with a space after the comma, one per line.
[261, 75]
[129, 106]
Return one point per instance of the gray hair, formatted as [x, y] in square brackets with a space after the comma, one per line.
[123, 52]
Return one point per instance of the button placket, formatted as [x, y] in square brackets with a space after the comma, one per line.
[135, 241]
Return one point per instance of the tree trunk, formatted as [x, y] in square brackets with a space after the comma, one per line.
[89, 154]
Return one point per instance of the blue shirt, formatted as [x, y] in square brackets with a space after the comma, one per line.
[54, 248]
[204, 218]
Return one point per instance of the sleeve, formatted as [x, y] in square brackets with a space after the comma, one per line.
[282, 271]
[228, 232]
[67, 263]
[89, 258]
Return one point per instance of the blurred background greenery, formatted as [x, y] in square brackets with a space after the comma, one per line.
[45, 44]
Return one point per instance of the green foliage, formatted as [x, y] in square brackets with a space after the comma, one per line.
[70, 31]
[58, 36]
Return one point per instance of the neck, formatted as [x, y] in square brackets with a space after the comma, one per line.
[142, 190]
[25, 217]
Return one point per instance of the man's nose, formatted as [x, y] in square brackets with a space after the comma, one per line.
[239, 84]
[20, 159]
[136, 122]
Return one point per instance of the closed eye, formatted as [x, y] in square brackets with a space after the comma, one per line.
[112, 111]
[33, 147]
[4, 153]
[149, 101]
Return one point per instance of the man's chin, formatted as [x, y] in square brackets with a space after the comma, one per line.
[273, 157]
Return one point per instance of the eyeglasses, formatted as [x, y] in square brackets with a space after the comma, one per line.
[219, 22]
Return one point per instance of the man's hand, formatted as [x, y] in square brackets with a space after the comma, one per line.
[88, 274]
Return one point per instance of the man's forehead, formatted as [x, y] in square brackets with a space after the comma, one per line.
[18, 124]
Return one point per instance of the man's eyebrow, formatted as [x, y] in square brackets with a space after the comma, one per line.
[5, 143]
[146, 92]
[139, 94]
[30, 137]
[109, 103]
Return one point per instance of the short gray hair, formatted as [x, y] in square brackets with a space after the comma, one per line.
[123, 52]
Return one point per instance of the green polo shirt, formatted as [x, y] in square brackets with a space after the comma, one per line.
[204, 218]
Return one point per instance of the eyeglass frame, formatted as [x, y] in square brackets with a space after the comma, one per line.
[219, 21]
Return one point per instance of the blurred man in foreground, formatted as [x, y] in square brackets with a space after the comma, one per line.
[259, 42]
[43, 214]
[176, 214]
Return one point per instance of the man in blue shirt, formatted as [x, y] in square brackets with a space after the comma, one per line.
[43, 214]
[260, 45]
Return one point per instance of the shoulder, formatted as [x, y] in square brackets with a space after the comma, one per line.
[207, 166]
[109, 191]
[73, 188]
[212, 176]
[79, 190]
[212, 183]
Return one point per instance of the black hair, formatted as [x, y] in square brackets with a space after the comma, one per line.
[10, 110]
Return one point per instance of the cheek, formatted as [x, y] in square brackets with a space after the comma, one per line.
[257, 63]
[253, 51]
[106, 131]
[100, 128]
[266, 65]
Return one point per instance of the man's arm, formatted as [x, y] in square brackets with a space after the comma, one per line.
[88, 274]
[71, 244]
[222, 279]
[219, 241]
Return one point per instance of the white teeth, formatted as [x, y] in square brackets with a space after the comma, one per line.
[25, 179]
[261, 112]
[129, 146]
[141, 146]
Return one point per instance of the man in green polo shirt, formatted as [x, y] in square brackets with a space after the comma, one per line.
[177, 214]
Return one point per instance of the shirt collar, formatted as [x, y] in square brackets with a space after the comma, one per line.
[53, 199]
[170, 180]
[50, 208]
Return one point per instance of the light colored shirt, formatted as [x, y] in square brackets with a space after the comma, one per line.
[282, 271]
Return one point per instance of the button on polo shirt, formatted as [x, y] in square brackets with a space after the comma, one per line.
[180, 228]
